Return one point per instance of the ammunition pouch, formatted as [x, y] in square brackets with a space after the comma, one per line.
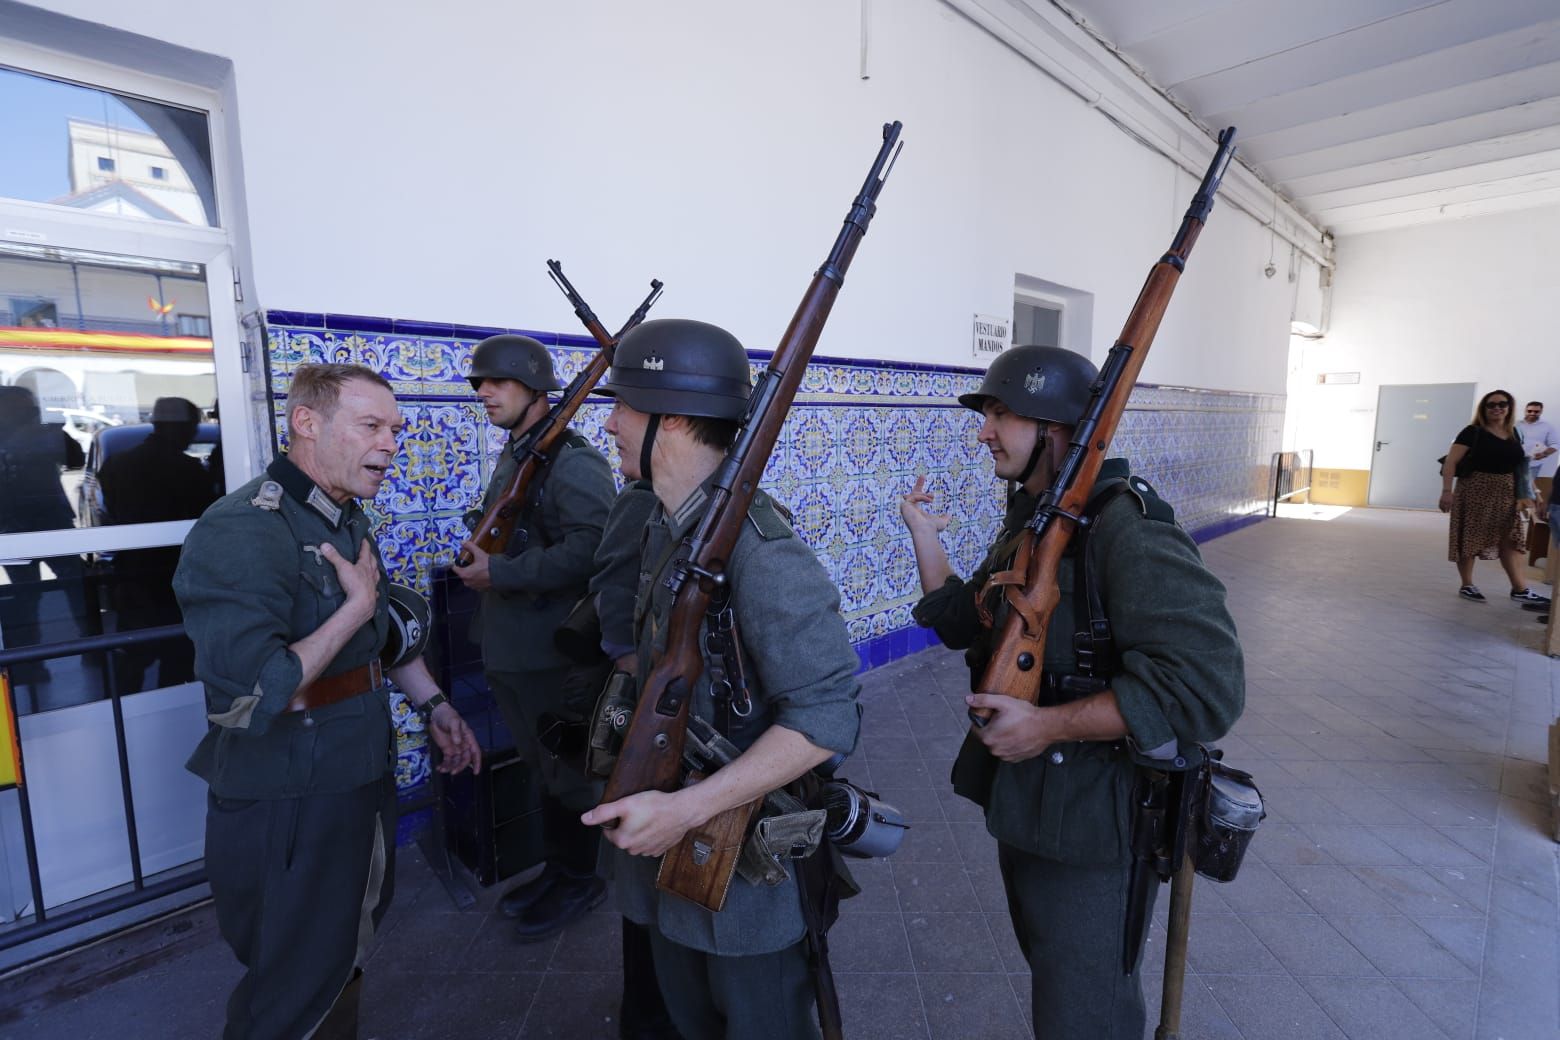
[609, 724]
[778, 837]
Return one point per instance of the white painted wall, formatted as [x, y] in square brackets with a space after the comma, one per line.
[422, 160]
[1468, 301]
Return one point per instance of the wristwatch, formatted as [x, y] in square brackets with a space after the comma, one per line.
[429, 706]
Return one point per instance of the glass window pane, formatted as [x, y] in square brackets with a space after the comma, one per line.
[60, 598]
[107, 397]
[110, 153]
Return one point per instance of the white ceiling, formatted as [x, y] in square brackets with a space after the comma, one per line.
[1367, 114]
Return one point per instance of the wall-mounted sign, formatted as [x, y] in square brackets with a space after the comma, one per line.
[1332, 378]
[992, 336]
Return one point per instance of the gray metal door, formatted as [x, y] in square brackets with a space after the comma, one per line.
[1414, 426]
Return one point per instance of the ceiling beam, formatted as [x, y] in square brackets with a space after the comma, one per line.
[1415, 45]
[1453, 211]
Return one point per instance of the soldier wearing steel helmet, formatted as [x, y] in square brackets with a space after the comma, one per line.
[1056, 780]
[681, 388]
[527, 591]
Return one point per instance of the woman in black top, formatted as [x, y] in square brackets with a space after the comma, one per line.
[1493, 497]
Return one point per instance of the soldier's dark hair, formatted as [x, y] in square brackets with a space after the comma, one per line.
[717, 433]
[318, 388]
[1535, 404]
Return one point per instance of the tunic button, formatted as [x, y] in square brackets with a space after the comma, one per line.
[1056, 758]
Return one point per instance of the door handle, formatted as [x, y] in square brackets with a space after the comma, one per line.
[1380, 443]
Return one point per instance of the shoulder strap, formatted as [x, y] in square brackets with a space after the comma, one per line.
[538, 489]
[1093, 645]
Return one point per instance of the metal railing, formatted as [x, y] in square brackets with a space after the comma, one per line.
[45, 923]
[1289, 475]
[141, 891]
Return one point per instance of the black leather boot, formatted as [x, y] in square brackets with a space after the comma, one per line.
[568, 901]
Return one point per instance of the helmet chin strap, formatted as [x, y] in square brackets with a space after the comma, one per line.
[645, 445]
[1041, 441]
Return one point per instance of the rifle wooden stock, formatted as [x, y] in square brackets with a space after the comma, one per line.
[498, 522]
[651, 758]
[1029, 586]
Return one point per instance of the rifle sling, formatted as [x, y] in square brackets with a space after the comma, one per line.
[1094, 648]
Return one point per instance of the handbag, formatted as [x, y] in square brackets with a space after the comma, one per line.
[1465, 464]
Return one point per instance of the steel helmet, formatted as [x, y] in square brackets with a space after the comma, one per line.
[676, 366]
[411, 622]
[513, 357]
[1049, 384]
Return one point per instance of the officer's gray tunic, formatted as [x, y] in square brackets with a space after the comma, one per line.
[800, 670]
[542, 572]
[1063, 818]
[301, 815]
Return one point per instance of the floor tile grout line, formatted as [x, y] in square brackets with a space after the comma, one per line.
[1489, 892]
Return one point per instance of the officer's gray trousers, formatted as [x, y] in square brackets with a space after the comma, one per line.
[299, 884]
[1071, 923]
[766, 996]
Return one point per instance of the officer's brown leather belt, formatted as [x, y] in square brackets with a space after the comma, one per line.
[333, 689]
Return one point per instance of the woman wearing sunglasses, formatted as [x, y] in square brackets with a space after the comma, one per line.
[1493, 498]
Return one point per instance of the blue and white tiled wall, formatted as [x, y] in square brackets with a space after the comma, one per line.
[858, 436]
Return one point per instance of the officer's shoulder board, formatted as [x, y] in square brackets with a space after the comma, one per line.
[769, 518]
[1142, 493]
[268, 496]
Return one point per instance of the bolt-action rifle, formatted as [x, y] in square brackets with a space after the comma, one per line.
[1029, 586]
[492, 532]
[652, 754]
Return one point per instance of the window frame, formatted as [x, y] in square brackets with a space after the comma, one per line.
[39, 223]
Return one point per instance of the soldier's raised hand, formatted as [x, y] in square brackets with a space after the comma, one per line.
[917, 519]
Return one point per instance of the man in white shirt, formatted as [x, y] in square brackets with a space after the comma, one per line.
[1541, 442]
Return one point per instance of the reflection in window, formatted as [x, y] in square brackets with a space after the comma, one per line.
[61, 598]
[115, 382]
[124, 156]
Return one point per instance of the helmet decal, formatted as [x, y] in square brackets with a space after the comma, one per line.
[1034, 382]
[653, 363]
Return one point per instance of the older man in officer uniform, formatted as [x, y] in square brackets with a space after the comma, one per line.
[742, 973]
[286, 600]
[1056, 780]
[527, 592]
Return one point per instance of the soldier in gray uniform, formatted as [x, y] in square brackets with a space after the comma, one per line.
[742, 973]
[614, 587]
[1057, 780]
[527, 592]
[285, 598]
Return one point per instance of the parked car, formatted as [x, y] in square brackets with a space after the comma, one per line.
[116, 440]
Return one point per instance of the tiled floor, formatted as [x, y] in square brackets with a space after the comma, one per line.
[1404, 884]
